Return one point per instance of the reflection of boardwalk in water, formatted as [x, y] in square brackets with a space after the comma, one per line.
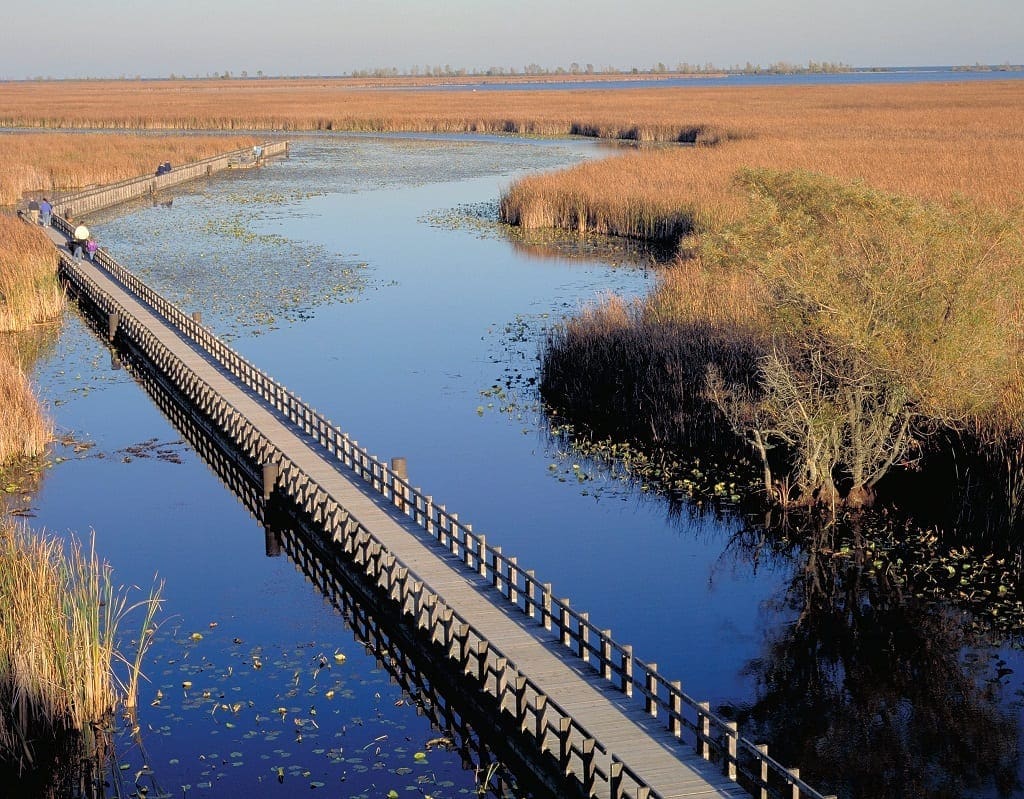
[463, 716]
[563, 684]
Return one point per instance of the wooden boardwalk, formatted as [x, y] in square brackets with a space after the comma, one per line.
[565, 682]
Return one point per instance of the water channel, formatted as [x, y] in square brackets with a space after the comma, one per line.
[368, 275]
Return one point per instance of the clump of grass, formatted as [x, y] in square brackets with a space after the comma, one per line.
[59, 646]
[29, 290]
[25, 430]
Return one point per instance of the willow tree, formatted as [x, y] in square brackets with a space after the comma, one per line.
[886, 318]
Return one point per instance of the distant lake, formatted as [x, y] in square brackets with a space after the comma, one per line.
[857, 76]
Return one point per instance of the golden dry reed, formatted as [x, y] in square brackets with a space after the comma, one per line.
[929, 142]
[42, 163]
[29, 295]
[29, 290]
[25, 429]
[59, 644]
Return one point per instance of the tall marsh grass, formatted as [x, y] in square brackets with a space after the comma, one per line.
[29, 290]
[60, 649]
[44, 163]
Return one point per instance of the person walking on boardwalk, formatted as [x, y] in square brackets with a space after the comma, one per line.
[79, 240]
[33, 211]
[90, 249]
[45, 211]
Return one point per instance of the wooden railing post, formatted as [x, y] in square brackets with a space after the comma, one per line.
[626, 684]
[762, 788]
[481, 662]
[651, 686]
[496, 569]
[399, 469]
[540, 708]
[732, 737]
[564, 743]
[528, 588]
[589, 769]
[462, 636]
[793, 786]
[615, 779]
[704, 730]
[675, 701]
[521, 702]
[563, 622]
[583, 648]
[606, 654]
[513, 580]
[545, 606]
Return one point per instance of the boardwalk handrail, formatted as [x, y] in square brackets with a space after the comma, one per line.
[97, 197]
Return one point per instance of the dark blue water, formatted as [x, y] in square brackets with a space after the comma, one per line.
[366, 274]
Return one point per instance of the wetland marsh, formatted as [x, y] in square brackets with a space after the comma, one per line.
[369, 274]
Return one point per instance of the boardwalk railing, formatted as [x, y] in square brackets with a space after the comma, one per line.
[556, 732]
[83, 202]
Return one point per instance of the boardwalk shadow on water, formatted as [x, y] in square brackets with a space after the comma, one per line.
[503, 761]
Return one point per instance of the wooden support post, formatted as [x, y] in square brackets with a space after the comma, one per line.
[704, 730]
[496, 569]
[113, 320]
[500, 681]
[762, 788]
[545, 606]
[400, 469]
[615, 779]
[583, 650]
[564, 743]
[675, 705]
[271, 471]
[606, 654]
[521, 702]
[540, 708]
[481, 555]
[793, 787]
[589, 768]
[481, 662]
[513, 580]
[271, 542]
[626, 684]
[563, 622]
[651, 693]
[732, 736]
[462, 636]
[528, 586]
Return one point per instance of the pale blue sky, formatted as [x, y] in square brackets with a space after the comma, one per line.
[109, 38]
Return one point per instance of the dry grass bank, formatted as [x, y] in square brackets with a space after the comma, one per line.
[928, 142]
[46, 162]
[29, 295]
[29, 291]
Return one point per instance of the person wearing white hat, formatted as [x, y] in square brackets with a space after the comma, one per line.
[81, 236]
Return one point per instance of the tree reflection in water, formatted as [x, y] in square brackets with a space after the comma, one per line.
[869, 690]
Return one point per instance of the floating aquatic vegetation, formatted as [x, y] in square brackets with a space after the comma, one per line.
[482, 219]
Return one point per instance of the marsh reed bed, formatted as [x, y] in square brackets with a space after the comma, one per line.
[43, 163]
[64, 666]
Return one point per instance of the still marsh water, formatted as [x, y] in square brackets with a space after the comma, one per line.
[367, 275]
